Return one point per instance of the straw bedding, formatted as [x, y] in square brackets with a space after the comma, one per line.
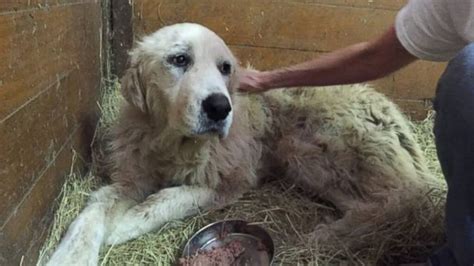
[286, 212]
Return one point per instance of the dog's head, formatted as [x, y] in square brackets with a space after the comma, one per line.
[183, 75]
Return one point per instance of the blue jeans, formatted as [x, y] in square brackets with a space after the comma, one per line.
[454, 131]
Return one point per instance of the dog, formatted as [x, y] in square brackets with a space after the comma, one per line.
[186, 140]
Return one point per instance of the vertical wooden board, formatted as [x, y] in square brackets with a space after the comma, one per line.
[49, 84]
[122, 32]
[31, 135]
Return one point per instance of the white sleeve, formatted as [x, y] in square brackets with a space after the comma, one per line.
[426, 29]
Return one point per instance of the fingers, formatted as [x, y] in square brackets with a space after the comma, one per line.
[250, 81]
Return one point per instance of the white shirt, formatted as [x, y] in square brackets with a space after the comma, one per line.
[436, 30]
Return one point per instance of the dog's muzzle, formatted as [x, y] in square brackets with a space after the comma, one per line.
[216, 107]
[215, 115]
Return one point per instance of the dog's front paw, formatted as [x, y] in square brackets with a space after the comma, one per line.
[66, 256]
[121, 234]
[81, 244]
[115, 238]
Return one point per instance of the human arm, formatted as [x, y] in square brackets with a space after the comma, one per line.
[357, 63]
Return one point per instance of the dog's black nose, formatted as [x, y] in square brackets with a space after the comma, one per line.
[216, 106]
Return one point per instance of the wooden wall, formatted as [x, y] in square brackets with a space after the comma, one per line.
[49, 83]
[273, 33]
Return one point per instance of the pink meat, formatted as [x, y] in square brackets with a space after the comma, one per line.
[225, 255]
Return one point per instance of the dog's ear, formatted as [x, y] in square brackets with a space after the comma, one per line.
[133, 90]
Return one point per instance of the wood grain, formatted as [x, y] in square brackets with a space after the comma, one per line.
[23, 235]
[49, 83]
[415, 109]
[14, 6]
[281, 24]
[380, 4]
[40, 47]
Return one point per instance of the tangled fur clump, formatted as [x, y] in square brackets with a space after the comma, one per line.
[287, 212]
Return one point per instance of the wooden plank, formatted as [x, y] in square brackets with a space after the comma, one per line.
[31, 136]
[9, 6]
[49, 81]
[263, 58]
[415, 109]
[418, 80]
[23, 235]
[376, 4]
[121, 34]
[41, 46]
[31, 140]
[283, 24]
[16, 5]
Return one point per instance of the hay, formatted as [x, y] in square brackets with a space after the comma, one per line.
[285, 211]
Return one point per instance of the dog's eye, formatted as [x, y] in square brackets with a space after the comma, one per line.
[225, 68]
[180, 60]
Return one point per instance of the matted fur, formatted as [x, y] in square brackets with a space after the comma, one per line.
[351, 146]
[348, 144]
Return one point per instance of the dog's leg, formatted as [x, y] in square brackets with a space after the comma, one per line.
[166, 205]
[369, 193]
[362, 218]
[351, 228]
[81, 244]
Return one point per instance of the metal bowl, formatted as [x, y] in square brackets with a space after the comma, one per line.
[258, 244]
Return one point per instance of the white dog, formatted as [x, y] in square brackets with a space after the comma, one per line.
[185, 141]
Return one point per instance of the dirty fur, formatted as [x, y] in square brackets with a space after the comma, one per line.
[349, 145]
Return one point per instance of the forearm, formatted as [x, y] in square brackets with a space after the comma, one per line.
[341, 67]
[357, 63]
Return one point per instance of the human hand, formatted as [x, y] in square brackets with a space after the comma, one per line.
[251, 81]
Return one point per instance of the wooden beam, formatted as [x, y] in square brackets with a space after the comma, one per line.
[121, 34]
